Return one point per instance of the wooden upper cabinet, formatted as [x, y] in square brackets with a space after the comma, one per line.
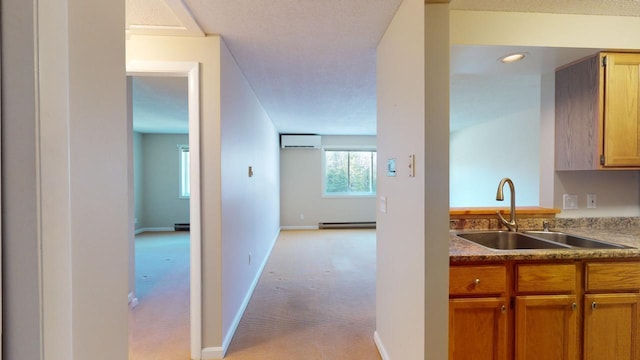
[597, 113]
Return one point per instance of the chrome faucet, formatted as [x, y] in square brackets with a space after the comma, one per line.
[512, 225]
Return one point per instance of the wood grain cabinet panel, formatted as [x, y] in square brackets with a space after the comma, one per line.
[477, 280]
[478, 329]
[611, 326]
[546, 278]
[620, 276]
[546, 327]
[597, 114]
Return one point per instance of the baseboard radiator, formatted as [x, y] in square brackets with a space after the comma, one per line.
[347, 225]
[182, 227]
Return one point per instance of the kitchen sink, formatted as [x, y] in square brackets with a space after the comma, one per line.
[507, 240]
[574, 240]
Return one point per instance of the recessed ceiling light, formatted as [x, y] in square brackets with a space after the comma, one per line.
[512, 58]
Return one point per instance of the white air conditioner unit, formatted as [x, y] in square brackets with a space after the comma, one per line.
[301, 141]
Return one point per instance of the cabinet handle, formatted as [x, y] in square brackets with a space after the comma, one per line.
[503, 309]
[574, 306]
[594, 305]
[476, 281]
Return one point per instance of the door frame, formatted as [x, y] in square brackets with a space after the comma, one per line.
[191, 71]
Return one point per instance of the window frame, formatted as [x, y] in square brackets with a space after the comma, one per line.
[346, 195]
[184, 174]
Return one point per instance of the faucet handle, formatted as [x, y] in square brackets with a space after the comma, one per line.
[545, 225]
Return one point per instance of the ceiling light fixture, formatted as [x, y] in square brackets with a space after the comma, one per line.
[507, 59]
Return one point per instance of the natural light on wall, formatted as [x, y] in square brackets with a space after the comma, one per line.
[185, 188]
[349, 173]
[501, 139]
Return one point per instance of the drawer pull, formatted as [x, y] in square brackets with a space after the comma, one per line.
[503, 309]
[574, 306]
[594, 305]
[476, 281]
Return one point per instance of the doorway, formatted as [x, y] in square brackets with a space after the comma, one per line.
[190, 71]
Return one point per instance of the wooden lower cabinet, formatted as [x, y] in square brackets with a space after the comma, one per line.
[478, 329]
[611, 326]
[557, 310]
[546, 327]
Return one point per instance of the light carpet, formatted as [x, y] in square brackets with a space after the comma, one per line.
[159, 325]
[315, 300]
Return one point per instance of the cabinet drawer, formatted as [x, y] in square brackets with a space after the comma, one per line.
[546, 278]
[477, 280]
[612, 276]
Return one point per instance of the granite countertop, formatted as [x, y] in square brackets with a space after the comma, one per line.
[462, 251]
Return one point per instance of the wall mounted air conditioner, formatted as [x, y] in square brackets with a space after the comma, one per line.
[300, 141]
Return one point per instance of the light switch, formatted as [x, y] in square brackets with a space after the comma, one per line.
[383, 204]
[412, 165]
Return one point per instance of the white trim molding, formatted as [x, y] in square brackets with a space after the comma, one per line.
[212, 353]
[153, 229]
[192, 71]
[311, 227]
[380, 346]
[236, 320]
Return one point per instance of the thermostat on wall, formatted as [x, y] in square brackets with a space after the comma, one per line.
[391, 167]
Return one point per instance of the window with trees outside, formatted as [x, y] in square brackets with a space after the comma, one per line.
[185, 187]
[350, 172]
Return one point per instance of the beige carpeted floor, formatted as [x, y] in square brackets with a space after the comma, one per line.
[315, 300]
[159, 325]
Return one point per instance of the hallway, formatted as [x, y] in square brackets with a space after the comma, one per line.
[315, 300]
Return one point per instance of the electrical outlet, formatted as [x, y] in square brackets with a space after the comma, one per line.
[569, 202]
[591, 201]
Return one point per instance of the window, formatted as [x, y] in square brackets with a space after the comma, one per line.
[349, 172]
[185, 187]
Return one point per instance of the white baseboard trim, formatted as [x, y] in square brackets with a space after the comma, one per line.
[152, 229]
[299, 228]
[212, 353]
[380, 346]
[247, 298]
[133, 301]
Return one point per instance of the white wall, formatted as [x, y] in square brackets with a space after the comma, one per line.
[161, 206]
[412, 235]
[619, 190]
[66, 228]
[250, 205]
[239, 214]
[21, 283]
[205, 51]
[302, 203]
[507, 146]
[618, 193]
[138, 163]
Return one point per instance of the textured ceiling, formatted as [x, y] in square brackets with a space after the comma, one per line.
[312, 63]
[584, 7]
[160, 104]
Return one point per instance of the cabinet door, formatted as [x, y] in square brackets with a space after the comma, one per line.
[611, 326]
[478, 329]
[621, 112]
[546, 327]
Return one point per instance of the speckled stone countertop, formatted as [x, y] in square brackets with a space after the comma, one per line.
[624, 231]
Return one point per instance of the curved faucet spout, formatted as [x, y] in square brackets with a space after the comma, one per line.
[512, 225]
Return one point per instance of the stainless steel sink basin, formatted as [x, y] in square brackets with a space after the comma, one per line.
[507, 240]
[574, 240]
